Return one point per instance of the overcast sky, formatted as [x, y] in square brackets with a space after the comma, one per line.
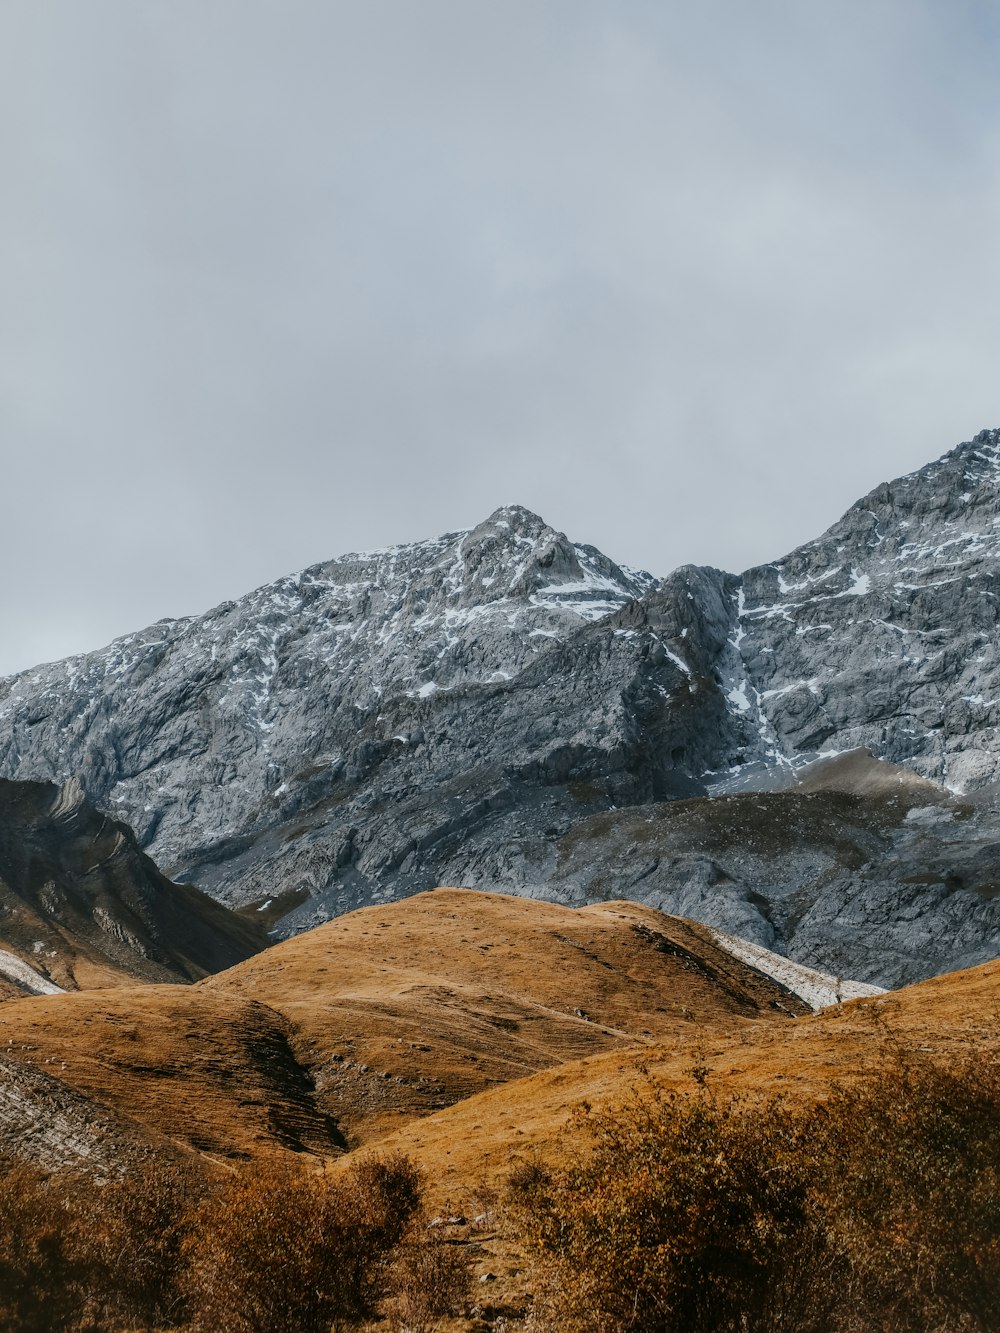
[285, 278]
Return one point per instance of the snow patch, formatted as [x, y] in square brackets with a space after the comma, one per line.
[16, 969]
[738, 698]
[817, 989]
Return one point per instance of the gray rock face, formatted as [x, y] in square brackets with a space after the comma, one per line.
[451, 711]
[82, 906]
[888, 886]
[882, 633]
[329, 729]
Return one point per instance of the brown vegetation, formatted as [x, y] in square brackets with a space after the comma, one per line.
[404, 1009]
[206, 1210]
[205, 1072]
[952, 1017]
[386, 1015]
[273, 1249]
[878, 1209]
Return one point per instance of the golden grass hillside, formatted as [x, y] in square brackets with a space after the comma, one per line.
[400, 1010]
[345, 1033]
[477, 1142]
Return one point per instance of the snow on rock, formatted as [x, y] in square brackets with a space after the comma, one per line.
[381, 722]
[199, 729]
[17, 970]
[881, 633]
[817, 989]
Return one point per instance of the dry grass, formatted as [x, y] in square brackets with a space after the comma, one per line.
[402, 1010]
[212, 1074]
[479, 1140]
[877, 1209]
[468, 998]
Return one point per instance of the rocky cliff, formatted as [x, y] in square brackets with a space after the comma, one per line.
[82, 907]
[335, 726]
[882, 633]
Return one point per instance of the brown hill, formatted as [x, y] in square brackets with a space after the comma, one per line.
[81, 906]
[184, 1070]
[512, 1013]
[386, 1015]
[476, 1142]
[458, 1026]
[403, 1009]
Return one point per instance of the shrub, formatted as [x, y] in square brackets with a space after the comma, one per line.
[916, 1202]
[432, 1280]
[127, 1238]
[284, 1250]
[879, 1209]
[38, 1282]
[688, 1217]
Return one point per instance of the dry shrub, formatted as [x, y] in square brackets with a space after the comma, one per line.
[912, 1192]
[675, 1225]
[128, 1240]
[83, 1255]
[432, 1280]
[38, 1281]
[286, 1250]
[276, 1248]
[877, 1210]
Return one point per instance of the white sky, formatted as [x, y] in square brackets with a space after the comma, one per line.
[285, 278]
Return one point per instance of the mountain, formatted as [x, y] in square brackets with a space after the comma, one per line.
[326, 730]
[862, 869]
[881, 634]
[81, 906]
[470, 710]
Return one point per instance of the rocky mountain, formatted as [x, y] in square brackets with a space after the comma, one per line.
[455, 710]
[332, 727]
[863, 869]
[82, 907]
[882, 633]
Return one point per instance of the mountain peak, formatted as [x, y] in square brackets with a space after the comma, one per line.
[516, 517]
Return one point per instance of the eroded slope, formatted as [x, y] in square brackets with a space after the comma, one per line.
[81, 906]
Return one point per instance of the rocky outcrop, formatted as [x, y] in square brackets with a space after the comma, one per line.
[81, 906]
[882, 633]
[862, 871]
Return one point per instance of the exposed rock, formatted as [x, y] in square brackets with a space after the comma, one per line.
[867, 871]
[882, 634]
[81, 906]
[331, 730]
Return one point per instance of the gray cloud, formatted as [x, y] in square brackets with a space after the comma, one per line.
[279, 280]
